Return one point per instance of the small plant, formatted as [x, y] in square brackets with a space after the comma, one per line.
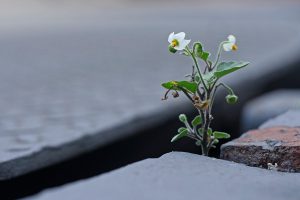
[201, 88]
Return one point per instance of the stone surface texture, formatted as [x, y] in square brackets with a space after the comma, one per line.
[277, 146]
[290, 118]
[182, 176]
[268, 106]
[76, 81]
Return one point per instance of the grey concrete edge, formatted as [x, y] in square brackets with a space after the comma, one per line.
[88, 142]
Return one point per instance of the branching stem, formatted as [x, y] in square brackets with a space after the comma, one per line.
[198, 69]
[218, 54]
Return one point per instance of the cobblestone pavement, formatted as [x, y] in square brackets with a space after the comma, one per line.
[68, 87]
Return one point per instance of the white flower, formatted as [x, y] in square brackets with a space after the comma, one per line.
[230, 44]
[177, 41]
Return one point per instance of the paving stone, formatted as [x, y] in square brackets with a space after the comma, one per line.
[71, 85]
[182, 176]
[290, 118]
[269, 106]
[276, 141]
[278, 146]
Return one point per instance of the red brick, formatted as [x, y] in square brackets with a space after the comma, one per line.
[279, 145]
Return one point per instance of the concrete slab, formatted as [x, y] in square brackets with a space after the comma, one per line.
[290, 118]
[182, 176]
[268, 106]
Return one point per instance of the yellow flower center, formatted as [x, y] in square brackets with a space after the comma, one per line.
[234, 47]
[174, 43]
[174, 83]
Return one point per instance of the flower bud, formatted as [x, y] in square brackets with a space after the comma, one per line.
[198, 143]
[231, 99]
[175, 94]
[197, 78]
[196, 98]
[182, 118]
[198, 49]
[171, 49]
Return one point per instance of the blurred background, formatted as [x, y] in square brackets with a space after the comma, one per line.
[80, 80]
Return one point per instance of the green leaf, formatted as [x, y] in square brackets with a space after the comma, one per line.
[197, 121]
[216, 141]
[170, 85]
[199, 52]
[221, 135]
[205, 55]
[197, 78]
[190, 86]
[175, 85]
[197, 49]
[225, 68]
[200, 131]
[181, 129]
[182, 134]
[209, 131]
[209, 78]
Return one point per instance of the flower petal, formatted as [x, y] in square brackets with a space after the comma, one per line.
[171, 37]
[182, 44]
[231, 39]
[227, 46]
[179, 36]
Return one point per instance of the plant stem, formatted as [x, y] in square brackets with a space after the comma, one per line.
[205, 134]
[205, 115]
[207, 120]
[218, 56]
[215, 87]
[227, 88]
[204, 150]
[198, 69]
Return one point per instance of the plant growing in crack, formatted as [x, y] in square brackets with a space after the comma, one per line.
[201, 88]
